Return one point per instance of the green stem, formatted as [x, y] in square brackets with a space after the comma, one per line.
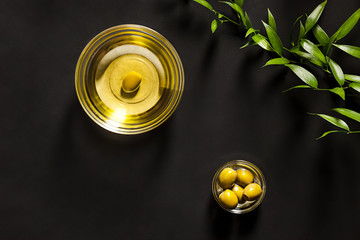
[327, 71]
[216, 13]
[325, 89]
[349, 132]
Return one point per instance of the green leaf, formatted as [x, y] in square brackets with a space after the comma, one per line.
[314, 16]
[313, 50]
[335, 121]
[214, 25]
[239, 2]
[301, 32]
[352, 50]
[337, 72]
[247, 20]
[348, 25]
[348, 113]
[205, 4]
[338, 91]
[306, 76]
[298, 19]
[274, 39]
[306, 56]
[277, 61]
[320, 35]
[328, 46]
[296, 87]
[237, 9]
[355, 86]
[248, 44]
[250, 31]
[271, 20]
[292, 30]
[353, 78]
[328, 132]
[219, 15]
[262, 42]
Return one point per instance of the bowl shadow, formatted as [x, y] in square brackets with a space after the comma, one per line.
[223, 224]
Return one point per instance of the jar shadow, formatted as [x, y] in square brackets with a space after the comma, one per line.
[223, 224]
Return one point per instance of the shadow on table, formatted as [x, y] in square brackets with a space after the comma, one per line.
[224, 224]
[180, 16]
[76, 122]
[79, 138]
[88, 161]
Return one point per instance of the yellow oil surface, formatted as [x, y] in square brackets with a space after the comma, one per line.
[109, 83]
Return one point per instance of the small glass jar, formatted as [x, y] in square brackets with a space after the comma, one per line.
[245, 205]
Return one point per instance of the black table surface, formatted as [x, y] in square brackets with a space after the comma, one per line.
[64, 177]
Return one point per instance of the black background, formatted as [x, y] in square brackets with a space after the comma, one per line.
[64, 177]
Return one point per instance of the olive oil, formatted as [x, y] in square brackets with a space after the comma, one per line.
[129, 79]
[113, 69]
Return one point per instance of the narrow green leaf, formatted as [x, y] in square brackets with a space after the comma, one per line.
[306, 76]
[351, 50]
[274, 39]
[348, 113]
[328, 132]
[271, 20]
[338, 91]
[314, 16]
[250, 31]
[353, 78]
[247, 20]
[292, 30]
[298, 19]
[320, 35]
[219, 15]
[313, 50]
[239, 2]
[205, 4]
[296, 87]
[337, 71]
[301, 32]
[262, 42]
[329, 44]
[348, 25]
[248, 44]
[306, 56]
[355, 86]
[237, 9]
[335, 121]
[277, 61]
[214, 25]
[295, 49]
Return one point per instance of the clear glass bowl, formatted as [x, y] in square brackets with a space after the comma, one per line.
[246, 206]
[110, 110]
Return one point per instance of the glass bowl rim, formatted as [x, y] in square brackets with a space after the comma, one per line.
[85, 60]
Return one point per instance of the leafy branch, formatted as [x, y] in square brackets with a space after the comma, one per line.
[303, 52]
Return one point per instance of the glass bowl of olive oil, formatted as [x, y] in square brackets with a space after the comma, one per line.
[129, 79]
[238, 186]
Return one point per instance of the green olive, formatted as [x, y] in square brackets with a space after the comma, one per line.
[252, 191]
[244, 177]
[239, 191]
[227, 177]
[229, 198]
[131, 82]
